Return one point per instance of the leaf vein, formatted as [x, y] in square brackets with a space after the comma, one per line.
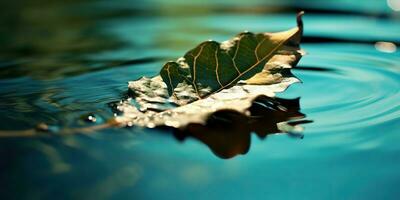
[251, 67]
[258, 45]
[170, 80]
[234, 55]
[194, 70]
[216, 68]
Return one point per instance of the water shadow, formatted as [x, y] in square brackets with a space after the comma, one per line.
[227, 133]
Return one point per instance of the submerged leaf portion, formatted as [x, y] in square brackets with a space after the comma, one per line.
[214, 77]
[155, 109]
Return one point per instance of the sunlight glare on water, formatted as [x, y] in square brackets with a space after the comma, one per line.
[394, 4]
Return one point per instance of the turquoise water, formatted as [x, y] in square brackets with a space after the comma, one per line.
[61, 62]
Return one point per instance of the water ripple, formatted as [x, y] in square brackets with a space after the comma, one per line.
[361, 91]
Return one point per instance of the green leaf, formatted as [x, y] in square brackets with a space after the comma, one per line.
[218, 66]
[214, 77]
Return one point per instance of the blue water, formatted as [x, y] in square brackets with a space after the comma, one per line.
[61, 62]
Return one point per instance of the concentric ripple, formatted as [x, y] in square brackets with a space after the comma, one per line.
[358, 94]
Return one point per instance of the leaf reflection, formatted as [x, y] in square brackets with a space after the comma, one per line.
[228, 133]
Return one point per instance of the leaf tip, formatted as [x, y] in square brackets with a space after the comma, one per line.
[300, 20]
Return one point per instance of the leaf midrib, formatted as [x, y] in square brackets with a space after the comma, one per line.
[252, 67]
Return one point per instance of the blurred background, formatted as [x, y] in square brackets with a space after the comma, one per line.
[66, 63]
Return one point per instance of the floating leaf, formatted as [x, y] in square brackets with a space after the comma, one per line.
[214, 77]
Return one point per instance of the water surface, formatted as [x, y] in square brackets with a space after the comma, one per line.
[61, 62]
